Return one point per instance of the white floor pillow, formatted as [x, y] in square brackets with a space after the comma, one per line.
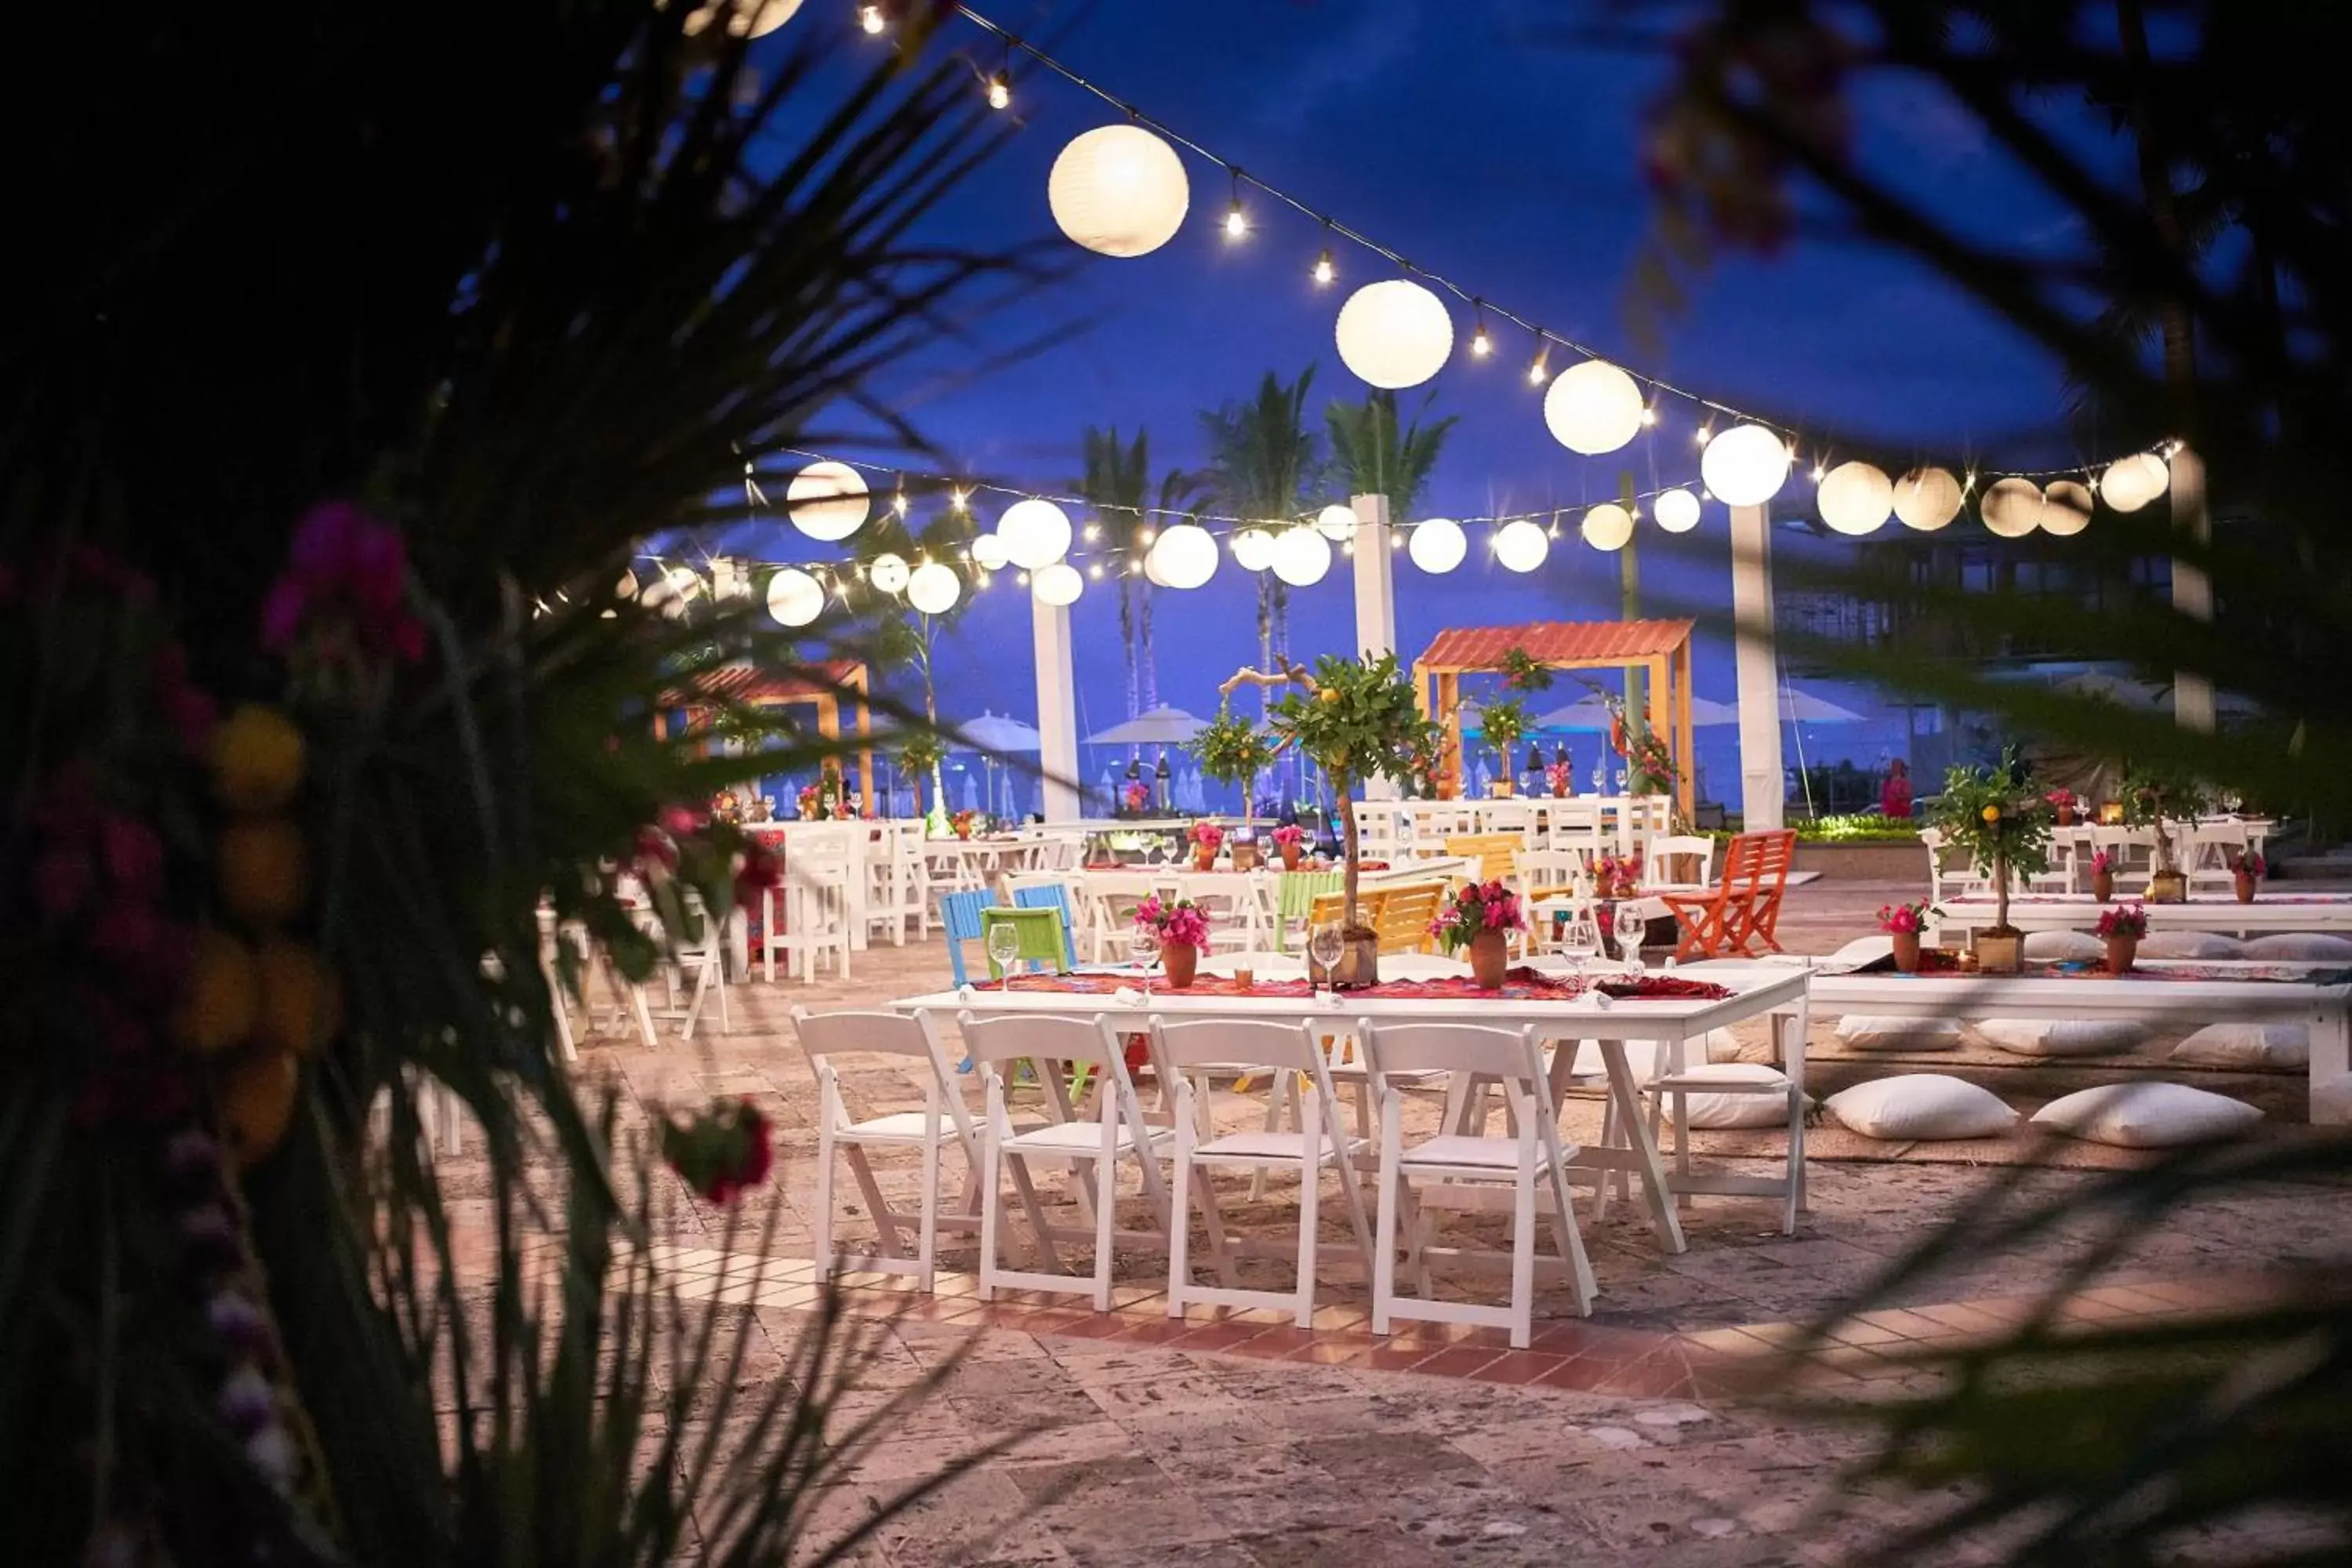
[2059, 946]
[2063, 1037]
[2148, 1115]
[2259, 1047]
[2294, 947]
[1647, 1057]
[1738, 1109]
[1867, 1032]
[1861, 949]
[1921, 1105]
[2201, 944]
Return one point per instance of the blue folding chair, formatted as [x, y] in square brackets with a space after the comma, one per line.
[1053, 896]
[959, 919]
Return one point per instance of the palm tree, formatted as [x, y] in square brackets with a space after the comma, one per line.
[1114, 483]
[1260, 457]
[1374, 459]
[1180, 494]
[903, 635]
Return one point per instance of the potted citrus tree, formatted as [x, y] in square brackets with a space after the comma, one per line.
[2154, 797]
[2001, 822]
[1234, 750]
[1356, 720]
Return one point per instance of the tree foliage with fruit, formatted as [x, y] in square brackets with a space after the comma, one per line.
[1354, 719]
[2000, 819]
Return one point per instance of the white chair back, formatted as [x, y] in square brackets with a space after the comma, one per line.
[1508, 1055]
[1237, 1042]
[1659, 869]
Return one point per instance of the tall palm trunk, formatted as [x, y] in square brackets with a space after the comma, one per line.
[1150, 660]
[1127, 633]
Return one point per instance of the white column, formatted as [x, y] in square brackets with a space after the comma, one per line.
[1375, 598]
[1761, 787]
[1057, 710]
[2192, 590]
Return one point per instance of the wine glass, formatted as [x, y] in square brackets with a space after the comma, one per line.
[1324, 948]
[1144, 945]
[1003, 948]
[1633, 925]
[1579, 939]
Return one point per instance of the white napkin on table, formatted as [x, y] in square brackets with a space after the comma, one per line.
[1128, 997]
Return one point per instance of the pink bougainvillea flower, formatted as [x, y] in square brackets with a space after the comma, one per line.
[762, 870]
[345, 585]
[133, 855]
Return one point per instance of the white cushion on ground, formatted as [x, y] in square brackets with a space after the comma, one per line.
[2298, 946]
[2059, 946]
[1867, 1032]
[2204, 944]
[1750, 1110]
[2256, 1046]
[1647, 1057]
[2148, 1115]
[2063, 1037]
[1860, 950]
[1921, 1105]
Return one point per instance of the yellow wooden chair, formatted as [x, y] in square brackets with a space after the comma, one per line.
[1404, 916]
[1489, 853]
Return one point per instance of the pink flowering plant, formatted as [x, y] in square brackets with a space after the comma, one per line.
[1561, 777]
[1474, 909]
[1208, 836]
[1136, 797]
[2123, 920]
[1621, 872]
[340, 610]
[2249, 863]
[2101, 861]
[1906, 919]
[1179, 924]
[1290, 833]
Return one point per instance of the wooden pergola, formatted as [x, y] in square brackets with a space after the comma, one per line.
[819, 686]
[1662, 649]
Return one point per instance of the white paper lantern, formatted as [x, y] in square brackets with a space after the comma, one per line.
[748, 21]
[2012, 508]
[1437, 545]
[1676, 511]
[827, 501]
[1522, 545]
[1036, 534]
[2065, 507]
[1855, 497]
[1058, 584]
[1185, 555]
[933, 588]
[794, 598]
[1395, 333]
[627, 588]
[988, 553]
[2130, 483]
[1927, 498]
[1118, 190]
[1745, 466]
[1593, 407]
[1301, 556]
[1337, 523]
[888, 572]
[1253, 550]
[1608, 527]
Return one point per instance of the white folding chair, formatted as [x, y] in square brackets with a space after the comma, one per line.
[943, 1123]
[914, 881]
[2209, 853]
[1091, 1148]
[1669, 853]
[815, 899]
[1677, 1082]
[701, 965]
[1110, 900]
[1378, 837]
[1286, 1050]
[1531, 1156]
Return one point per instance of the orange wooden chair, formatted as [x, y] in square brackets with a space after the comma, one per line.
[1737, 915]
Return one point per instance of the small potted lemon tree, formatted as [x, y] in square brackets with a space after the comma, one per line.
[2001, 821]
[1234, 750]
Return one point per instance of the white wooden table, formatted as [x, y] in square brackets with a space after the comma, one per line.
[2285, 912]
[1780, 992]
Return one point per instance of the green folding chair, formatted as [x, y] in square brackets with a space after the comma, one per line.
[1042, 942]
[1295, 895]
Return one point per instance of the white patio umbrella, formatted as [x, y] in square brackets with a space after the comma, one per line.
[2128, 692]
[1590, 712]
[1804, 708]
[1162, 726]
[993, 732]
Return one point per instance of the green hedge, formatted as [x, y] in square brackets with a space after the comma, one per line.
[1867, 829]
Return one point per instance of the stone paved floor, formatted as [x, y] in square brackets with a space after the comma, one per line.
[1235, 1438]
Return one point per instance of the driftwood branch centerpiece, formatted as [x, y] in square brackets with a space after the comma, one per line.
[1357, 720]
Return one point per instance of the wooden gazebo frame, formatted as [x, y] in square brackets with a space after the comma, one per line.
[819, 686]
[1662, 649]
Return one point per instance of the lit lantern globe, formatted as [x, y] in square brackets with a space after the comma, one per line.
[1927, 498]
[1057, 585]
[1336, 523]
[888, 572]
[1118, 190]
[1608, 527]
[988, 553]
[1593, 407]
[1745, 466]
[1855, 497]
[1522, 545]
[749, 20]
[1184, 556]
[2012, 508]
[933, 588]
[1395, 334]
[794, 598]
[1036, 534]
[1253, 550]
[827, 502]
[1437, 545]
[1676, 511]
[1301, 556]
[2130, 483]
[2065, 507]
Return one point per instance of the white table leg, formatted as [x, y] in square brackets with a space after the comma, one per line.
[2331, 1066]
[1627, 1096]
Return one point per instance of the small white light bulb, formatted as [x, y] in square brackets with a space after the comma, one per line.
[1324, 271]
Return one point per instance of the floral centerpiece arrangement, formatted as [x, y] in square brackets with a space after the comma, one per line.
[962, 823]
[1290, 842]
[2121, 928]
[2102, 875]
[1135, 799]
[1906, 923]
[1182, 930]
[2246, 867]
[2001, 820]
[1561, 775]
[1617, 875]
[1207, 839]
[2064, 803]
[919, 756]
[1480, 916]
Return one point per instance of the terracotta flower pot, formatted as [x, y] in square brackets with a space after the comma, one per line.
[2121, 951]
[2243, 882]
[2065, 817]
[1906, 950]
[1204, 858]
[1291, 855]
[2103, 885]
[1181, 958]
[1489, 957]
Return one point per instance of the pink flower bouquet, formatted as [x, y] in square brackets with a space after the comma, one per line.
[1179, 924]
[1208, 836]
[1479, 907]
[1906, 919]
[2123, 920]
[1290, 833]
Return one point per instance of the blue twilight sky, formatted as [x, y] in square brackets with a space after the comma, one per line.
[1480, 139]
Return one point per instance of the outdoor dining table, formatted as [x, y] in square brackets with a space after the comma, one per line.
[1558, 1016]
[2270, 912]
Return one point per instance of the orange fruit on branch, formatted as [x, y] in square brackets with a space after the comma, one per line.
[257, 759]
[256, 1104]
[265, 871]
[301, 1002]
[222, 996]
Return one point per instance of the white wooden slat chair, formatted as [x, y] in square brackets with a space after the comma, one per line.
[2209, 853]
[814, 899]
[1288, 1051]
[1670, 855]
[1531, 1158]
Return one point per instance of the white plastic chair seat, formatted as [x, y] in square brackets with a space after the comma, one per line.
[1257, 1145]
[899, 1127]
[1465, 1151]
[1080, 1139]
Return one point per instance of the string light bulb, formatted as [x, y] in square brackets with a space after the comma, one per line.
[1000, 90]
[873, 19]
[1236, 220]
[1819, 473]
[1649, 414]
[1703, 435]
[1324, 271]
[1540, 371]
[899, 502]
[1482, 342]
[1093, 532]
[956, 498]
